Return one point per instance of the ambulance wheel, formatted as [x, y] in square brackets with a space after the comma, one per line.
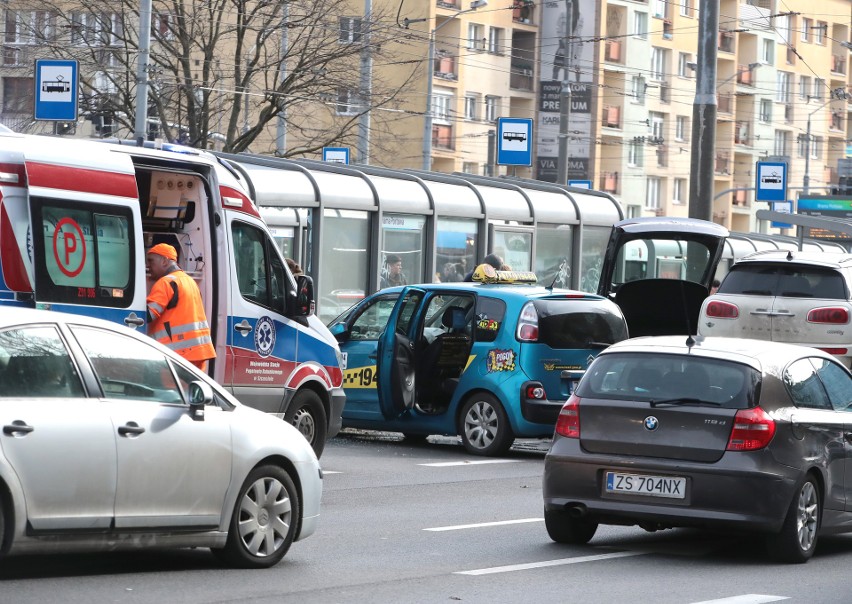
[307, 414]
[484, 427]
[263, 525]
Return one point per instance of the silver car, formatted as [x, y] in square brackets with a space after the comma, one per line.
[728, 433]
[110, 441]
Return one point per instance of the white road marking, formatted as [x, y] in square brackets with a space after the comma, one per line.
[447, 464]
[459, 527]
[578, 560]
[745, 599]
[324, 472]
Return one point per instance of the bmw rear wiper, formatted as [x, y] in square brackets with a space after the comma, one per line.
[683, 401]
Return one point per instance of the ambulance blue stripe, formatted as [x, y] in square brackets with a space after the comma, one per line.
[115, 315]
[310, 348]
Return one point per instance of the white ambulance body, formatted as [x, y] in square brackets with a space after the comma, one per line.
[76, 218]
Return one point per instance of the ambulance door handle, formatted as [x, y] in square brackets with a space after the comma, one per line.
[134, 320]
[244, 328]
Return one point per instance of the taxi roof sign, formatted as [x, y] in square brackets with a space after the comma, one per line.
[485, 273]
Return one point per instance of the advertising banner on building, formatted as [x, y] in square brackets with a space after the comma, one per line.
[558, 61]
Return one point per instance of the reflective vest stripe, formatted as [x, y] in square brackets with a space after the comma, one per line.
[181, 330]
[181, 344]
[156, 308]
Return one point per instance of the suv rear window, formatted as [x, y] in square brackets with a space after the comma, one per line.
[578, 324]
[794, 281]
[656, 377]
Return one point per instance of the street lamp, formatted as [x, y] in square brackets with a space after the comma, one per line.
[838, 94]
[430, 75]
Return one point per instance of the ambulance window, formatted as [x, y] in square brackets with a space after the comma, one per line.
[260, 272]
[83, 253]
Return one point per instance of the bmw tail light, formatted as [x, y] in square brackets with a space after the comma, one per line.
[722, 310]
[568, 422]
[834, 315]
[753, 429]
[528, 324]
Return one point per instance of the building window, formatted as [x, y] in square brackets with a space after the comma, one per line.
[161, 26]
[768, 52]
[470, 167]
[782, 143]
[15, 28]
[680, 191]
[636, 152]
[652, 197]
[475, 36]
[18, 95]
[638, 89]
[686, 8]
[816, 147]
[804, 87]
[471, 104]
[347, 102]
[801, 145]
[442, 106]
[491, 108]
[819, 86]
[495, 40]
[350, 29]
[659, 63]
[807, 25]
[765, 111]
[821, 31]
[682, 128]
[44, 26]
[658, 126]
[640, 25]
[683, 65]
[782, 87]
[659, 8]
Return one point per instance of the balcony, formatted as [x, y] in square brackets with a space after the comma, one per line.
[742, 132]
[725, 103]
[662, 157]
[521, 76]
[788, 113]
[612, 117]
[442, 138]
[668, 29]
[612, 51]
[835, 121]
[451, 4]
[740, 198]
[745, 75]
[722, 163]
[838, 64]
[445, 66]
[791, 55]
[726, 41]
[609, 182]
[523, 11]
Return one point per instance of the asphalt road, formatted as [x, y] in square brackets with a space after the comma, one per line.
[429, 523]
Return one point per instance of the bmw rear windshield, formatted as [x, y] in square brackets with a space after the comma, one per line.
[789, 280]
[652, 377]
[572, 323]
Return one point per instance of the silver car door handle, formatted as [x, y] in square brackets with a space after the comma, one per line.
[785, 313]
[130, 429]
[761, 311]
[17, 428]
[134, 319]
[243, 327]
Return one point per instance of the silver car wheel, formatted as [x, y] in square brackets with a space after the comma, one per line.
[807, 519]
[481, 424]
[265, 515]
[305, 424]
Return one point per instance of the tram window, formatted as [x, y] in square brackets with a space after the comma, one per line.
[345, 245]
[456, 250]
[553, 255]
[515, 248]
[403, 236]
[595, 240]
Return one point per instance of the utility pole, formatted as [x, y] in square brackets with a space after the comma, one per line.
[701, 163]
[141, 129]
[366, 85]
[565, 100]
[281, 130]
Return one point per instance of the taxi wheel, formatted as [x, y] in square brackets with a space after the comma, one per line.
[307, 414]
[484, 427]
[264, 521]
[798, 537]
[563, 528]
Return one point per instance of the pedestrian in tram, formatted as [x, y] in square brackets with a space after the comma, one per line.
[392, 275]
[176, 316]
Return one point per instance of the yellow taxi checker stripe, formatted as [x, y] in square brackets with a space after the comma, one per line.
[360, 377]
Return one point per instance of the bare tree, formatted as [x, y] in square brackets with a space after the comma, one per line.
[223, 70]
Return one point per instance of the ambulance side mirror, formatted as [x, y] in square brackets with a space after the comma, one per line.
[301, 303]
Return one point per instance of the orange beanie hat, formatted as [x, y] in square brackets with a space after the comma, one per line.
[165, 250]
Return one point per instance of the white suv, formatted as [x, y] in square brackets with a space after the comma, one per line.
[785, 296]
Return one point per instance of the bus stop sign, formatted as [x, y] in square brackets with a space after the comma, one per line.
[56, 85]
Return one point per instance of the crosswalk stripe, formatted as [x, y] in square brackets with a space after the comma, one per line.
[561, 562]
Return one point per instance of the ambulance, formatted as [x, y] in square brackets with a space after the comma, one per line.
[77, 216]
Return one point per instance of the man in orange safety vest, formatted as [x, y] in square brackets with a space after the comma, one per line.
[176, 316]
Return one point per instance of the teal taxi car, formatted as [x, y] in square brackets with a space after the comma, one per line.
[489, 362]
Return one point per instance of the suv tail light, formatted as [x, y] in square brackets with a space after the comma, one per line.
[833, 314]
[722, 310]
[753, 429]
[568, 422]
[528, 324]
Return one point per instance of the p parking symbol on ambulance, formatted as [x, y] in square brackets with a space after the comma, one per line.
[70, 255]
